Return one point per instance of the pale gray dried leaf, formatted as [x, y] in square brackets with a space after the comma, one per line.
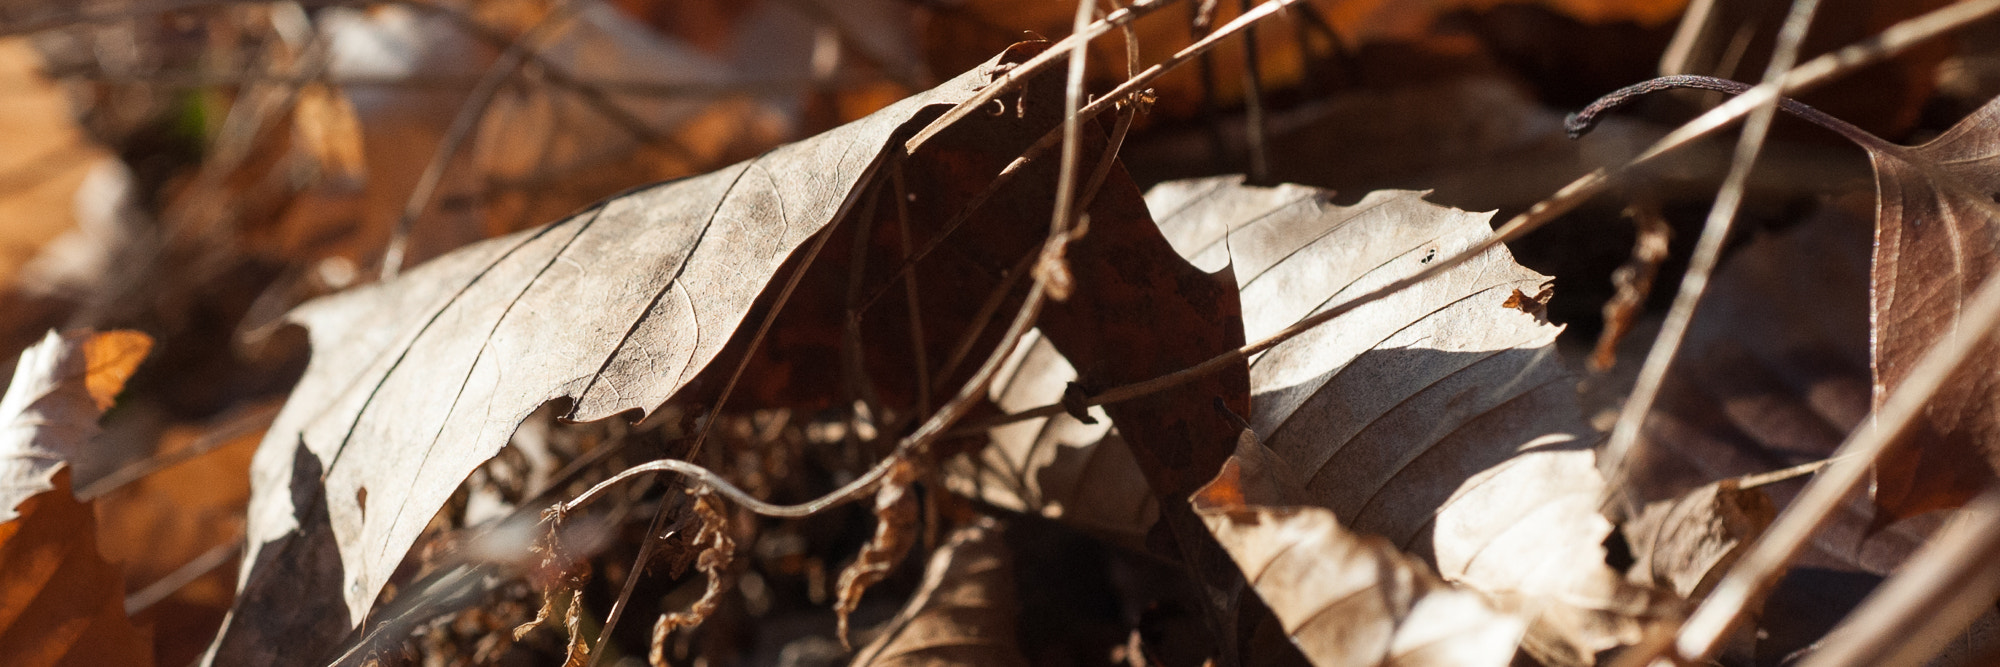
[32, 428]
[962, 614]
[49, 413]
[1437, 418]
[1058, 467]
[1344, 598]
[416, 382]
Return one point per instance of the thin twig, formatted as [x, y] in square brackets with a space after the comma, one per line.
[216, 556]
[1582, 121]
[1932, 598]
[1254, 126]
[1013, 79]
[1059, 221]
[1707, 255]
[911, 295]
[469, 116]
[232, 427]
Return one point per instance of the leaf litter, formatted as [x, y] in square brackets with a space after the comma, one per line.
[843, 362]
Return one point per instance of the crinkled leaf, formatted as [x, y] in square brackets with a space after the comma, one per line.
[1685, 544]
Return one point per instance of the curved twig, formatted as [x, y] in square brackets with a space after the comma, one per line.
[1583, 121]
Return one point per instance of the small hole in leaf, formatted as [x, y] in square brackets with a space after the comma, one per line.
[361, 500]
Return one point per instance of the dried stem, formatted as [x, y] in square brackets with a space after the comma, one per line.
[1013, 79]
[1930, 600]
[462, 125]
[1707, 255]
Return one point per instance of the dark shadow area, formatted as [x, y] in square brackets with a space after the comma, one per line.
[295, 584]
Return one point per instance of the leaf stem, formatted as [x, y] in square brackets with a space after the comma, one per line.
[1582, 122]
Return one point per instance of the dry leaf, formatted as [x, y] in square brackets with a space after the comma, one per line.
[1437, 418]
[1343, 598]
[61, 603]
[45, 160]
[962, 613]
[325, 125]
[1936, 235]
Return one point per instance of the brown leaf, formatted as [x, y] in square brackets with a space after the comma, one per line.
[1937, 230]
[45, 159]
[1437, 417]
[1344, 598]
[962, 613]
[61, 603]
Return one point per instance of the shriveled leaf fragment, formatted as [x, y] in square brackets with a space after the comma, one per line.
[717, 551]
[895, 533]
[1438, 418]
[1687, 543]
[962, 614]
[1937, 237]
[1344, 598]
[61, 603]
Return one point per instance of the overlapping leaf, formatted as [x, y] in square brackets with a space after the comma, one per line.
[1058, 467]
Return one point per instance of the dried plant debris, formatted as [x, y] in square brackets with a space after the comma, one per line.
[718, 551]
[963, 612]
[895, 532]
[1438, 417]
